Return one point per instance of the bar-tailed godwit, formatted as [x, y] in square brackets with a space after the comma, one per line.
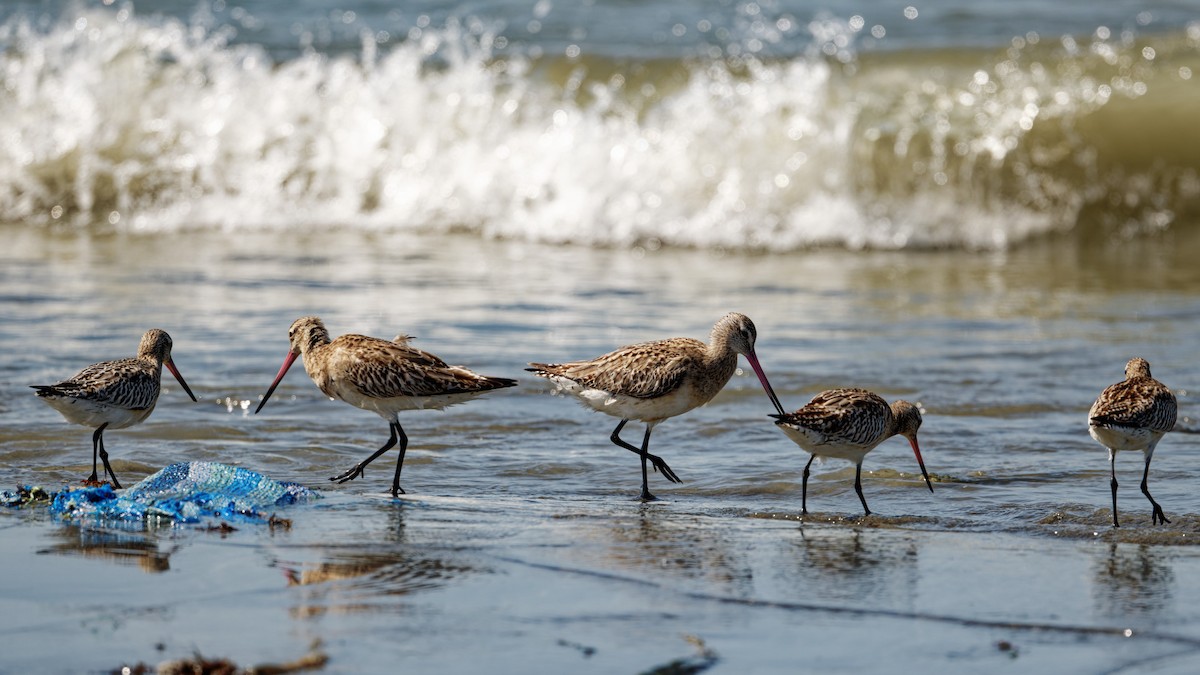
[652, 381]
[848, 424]
[1133, 415]
[382, 376]
[114, 394]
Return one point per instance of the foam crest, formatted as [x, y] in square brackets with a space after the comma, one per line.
[158, 125]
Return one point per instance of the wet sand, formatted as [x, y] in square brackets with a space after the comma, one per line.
[503, 585]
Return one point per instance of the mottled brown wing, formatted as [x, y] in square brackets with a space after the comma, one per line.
[1137, 403]
[126, 383]
[645, 370]
[383, 369]
[843, 416]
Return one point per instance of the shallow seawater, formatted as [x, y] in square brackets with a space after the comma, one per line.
[984, 209]
[521, 544]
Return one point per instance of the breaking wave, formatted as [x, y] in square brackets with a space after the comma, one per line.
[114, 121]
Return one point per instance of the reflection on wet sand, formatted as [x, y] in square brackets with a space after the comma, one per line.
[353, 580]
[1086, 523]
[122, 547]
[663, 543]
[1133, 581]
[858, 565]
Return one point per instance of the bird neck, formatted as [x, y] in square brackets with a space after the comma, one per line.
[896, 421]
[718, 364]
[719, 347]
[313, 355]
[152, 361]
[317, 337]
[718, 351]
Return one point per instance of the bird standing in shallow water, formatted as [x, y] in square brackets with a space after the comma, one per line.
[1133, 415]
[382, 376]
[114, 394]
[653, 381]
[848, 424]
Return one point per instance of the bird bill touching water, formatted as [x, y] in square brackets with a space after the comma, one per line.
[654, 381]
[385, 377]
[114, 394]
[848, 424]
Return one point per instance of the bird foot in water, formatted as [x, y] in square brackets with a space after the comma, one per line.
[349, 475]
[1158, 517]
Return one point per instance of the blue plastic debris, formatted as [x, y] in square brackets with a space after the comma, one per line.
[186, 492]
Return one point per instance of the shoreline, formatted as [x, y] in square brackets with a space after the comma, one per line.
[486, 569]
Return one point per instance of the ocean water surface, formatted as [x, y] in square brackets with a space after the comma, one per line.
[986, 210]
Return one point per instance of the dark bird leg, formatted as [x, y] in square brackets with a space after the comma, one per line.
[858, 487]
[98, 449]
[646, 496]
[1112, 460]
[357, 469]
[804, 486]
[96, 436]
[659, 464]
[396, 489]
[1157, 516]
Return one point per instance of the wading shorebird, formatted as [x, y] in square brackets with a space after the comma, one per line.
[1133, 415]
[652, 381]
[848, 424]
[381, 376]
[114, 394]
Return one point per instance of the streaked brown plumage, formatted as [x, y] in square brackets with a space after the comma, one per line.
[114, 394]
[382, 376]
[848, 424]
[1133, 415]
[653, 381]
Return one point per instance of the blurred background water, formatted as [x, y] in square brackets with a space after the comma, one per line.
[984, 209]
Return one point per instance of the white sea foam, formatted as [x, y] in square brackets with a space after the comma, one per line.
[158, 125]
